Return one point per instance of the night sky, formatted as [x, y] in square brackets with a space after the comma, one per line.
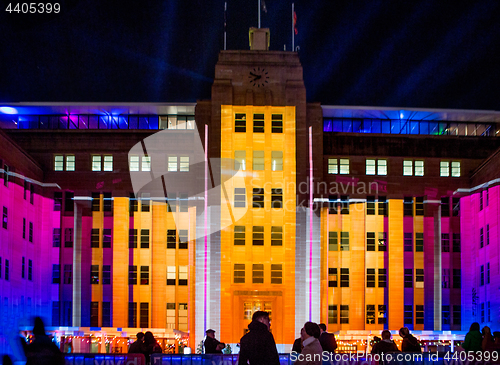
[428, 54]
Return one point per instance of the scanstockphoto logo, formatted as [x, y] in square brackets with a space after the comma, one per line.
[171, 166]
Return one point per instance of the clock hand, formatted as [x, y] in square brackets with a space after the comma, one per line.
[251, 73]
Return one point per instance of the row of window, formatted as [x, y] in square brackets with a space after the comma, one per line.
[5, 222]
[446, 279]
[240, 123]
[182, 314]
[482, 236]
[258, 198]
[258, 235]
[484, 198]
[379, 167]
[258, 160]
[7, 269]
[484, 277]
[485, 312]
[258, 273]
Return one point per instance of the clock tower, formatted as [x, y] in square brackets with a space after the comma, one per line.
[263, 258]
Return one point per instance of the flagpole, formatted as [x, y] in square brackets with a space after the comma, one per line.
[225, 23]
[259, 12]
[293, 27]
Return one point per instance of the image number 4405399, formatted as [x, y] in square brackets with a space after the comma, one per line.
[33, 8]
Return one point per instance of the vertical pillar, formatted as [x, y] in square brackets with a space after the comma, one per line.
[77, 265]
[432, 266]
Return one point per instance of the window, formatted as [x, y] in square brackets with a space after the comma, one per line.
[183, 275]
[344, 241]
[68, 202]
[132, 238]
[144, 238]
[240, 158]
[68, 274]
[480, 200]
[134, 163]
[382, 241]
[240, 123]
[106, 274]
[183, 239]
[408, 242]
[59, 163]
[419, 168]
[446, 314]
[24, 228]
[445, 206]
[258, 236]
[276, 236]
[258, 198]
[258, 123]
[277, 123]
[239, 197]
[370, 281]
[96, 202]
[171, 275]
[107, 202]
[419, 242]
[5, 218]
[55, 313]
[344, 277]
[382, 278]
[132, 314]
[96, 163]
[276, 273]
[370, 241]
[419, 206]
[457, 315]
[487, 193]
[183, 316]
[276, 198]
[183, 203]
[239, 235]
[277, 160]
[408, 206]
[333, 241]
[0, 267]
[7, 270]
[332, 314]
[184, 163]
[57, 201]
[338, 166]
[370, 205]
[172, 163]
[456, 242]
[455, 169]
[258, 160]
[407, 168]
[23, 267]
[344, 201]
[481, 272]
[144, 275]
[381, 167]
[382, 206]
[371, 167]
[481, 237]
[482, 312]
[446, 279]
[488, 311]
[344, 314]
[419, 314]
[257, 273]
[456, 207]
[94, 274]
[26, 189]
[445, 242]
[444, 169]
[146, 163]
[144, 315]
[332, 204]
[457, 278]
[171, 238]
[6, 175]
[94, 238]
[106, 314]
[382, 314]
[408, 278]
[171, 315]
[487, 273]
[56, 273]
[68, 237]
[239, 273]
[132, 204]
[419, 278]
[487, 234]
[370, 314]
[94, 314]
[108, 163]
[30, 270]
[408, 314]
[332, 277]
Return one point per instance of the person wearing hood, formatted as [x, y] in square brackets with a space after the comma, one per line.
[42, 351]
[386, 345]
[410, 343]
[473, 338]
[257, 347]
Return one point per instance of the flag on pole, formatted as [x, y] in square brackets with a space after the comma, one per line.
[295, 23]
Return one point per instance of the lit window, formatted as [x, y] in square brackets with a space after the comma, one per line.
[455, 169]
[183, 275]
[258, 160]
[277, 123]
[70, 163]
[239, 235]
[240, 160]
[258, 123]
[240, 123]
[171, 274]
[184, 163]
[344, 166]
[276, 273]
[146, 163]
[407, 168]
[444, 169]
[419, 168]
[370, 167]
[239, 197]
[134, 163]
[258, 274]
[172, 163]
[144, 275]
[108, 163]
[171, 315]
[333, 168]
[96, 163]
[382, 167]
[277, 160]
[58, 163]
[276, 236]
[239, 273]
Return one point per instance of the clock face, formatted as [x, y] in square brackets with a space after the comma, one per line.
[258, 77]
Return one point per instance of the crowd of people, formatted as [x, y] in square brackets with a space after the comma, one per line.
[145, 344]
[477, 340]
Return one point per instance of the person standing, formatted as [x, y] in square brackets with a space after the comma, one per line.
[473, 338]
[327, 339]
[410, 343]
[312, 352]
[386, 345]
[42, 351]
[212, 346]
[136, 347]
[257, 347]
